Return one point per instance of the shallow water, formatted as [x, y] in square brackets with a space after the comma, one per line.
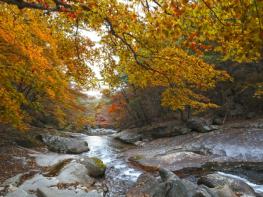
[119, 175]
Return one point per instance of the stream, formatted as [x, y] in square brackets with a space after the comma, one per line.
[120, 176]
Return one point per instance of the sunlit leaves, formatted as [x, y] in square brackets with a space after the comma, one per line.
[40, 62]
[157, 43]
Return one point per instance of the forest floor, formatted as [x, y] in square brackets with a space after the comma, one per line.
[15, 160]
[15, 150]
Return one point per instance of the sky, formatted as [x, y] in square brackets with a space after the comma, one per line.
[93, 36]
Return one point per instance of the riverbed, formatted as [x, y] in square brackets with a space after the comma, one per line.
[120, 175]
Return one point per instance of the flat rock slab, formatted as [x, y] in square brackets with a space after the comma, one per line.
[72, 173]
[54, 192]
[75, 172]
[20, 193]
[50, 159]
[228, 147]
[176, 162]
[100, 131]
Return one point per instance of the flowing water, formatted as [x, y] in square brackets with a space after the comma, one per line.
[119, 175]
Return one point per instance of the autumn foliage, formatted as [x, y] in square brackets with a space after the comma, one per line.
[39, 69]
[144, 44]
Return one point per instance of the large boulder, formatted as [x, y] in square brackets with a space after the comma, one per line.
[131, 136]
[145, 183]
[203, 191]
[65, 178]
[64, 144]
[169, 186]
[75, 172]
[54, 192]
[200, 125]
[96, 167]
[150, 132]
[226, 184]
[170, 131]
[167, 175]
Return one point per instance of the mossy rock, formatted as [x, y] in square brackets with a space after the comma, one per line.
[96, 167]
[99, 163]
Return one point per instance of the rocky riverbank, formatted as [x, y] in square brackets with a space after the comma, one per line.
[167, 184]
[68, 177]
[194, 159]
[235, 148]
[69, 165]
[230, 147]
[55, 174]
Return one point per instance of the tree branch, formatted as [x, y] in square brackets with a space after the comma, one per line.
[134, 54]
[23, 4]
[206, 4]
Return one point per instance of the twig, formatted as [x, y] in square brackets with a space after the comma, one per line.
[213, 12]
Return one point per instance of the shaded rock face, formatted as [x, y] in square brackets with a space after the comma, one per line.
[200, 125]
[147, 133]
[218, 121]
[169, 185]
[162, 130]
[219, 181]
[65, 145]
[144, 184]
[51, 192]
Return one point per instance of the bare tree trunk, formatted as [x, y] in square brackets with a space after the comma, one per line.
[144, 115]
[185, 114]
[134, 116]
[188, 110]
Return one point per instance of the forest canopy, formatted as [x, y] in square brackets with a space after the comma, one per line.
[144, 43]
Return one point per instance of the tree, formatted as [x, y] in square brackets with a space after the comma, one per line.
[39, 69]
[163, 43]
